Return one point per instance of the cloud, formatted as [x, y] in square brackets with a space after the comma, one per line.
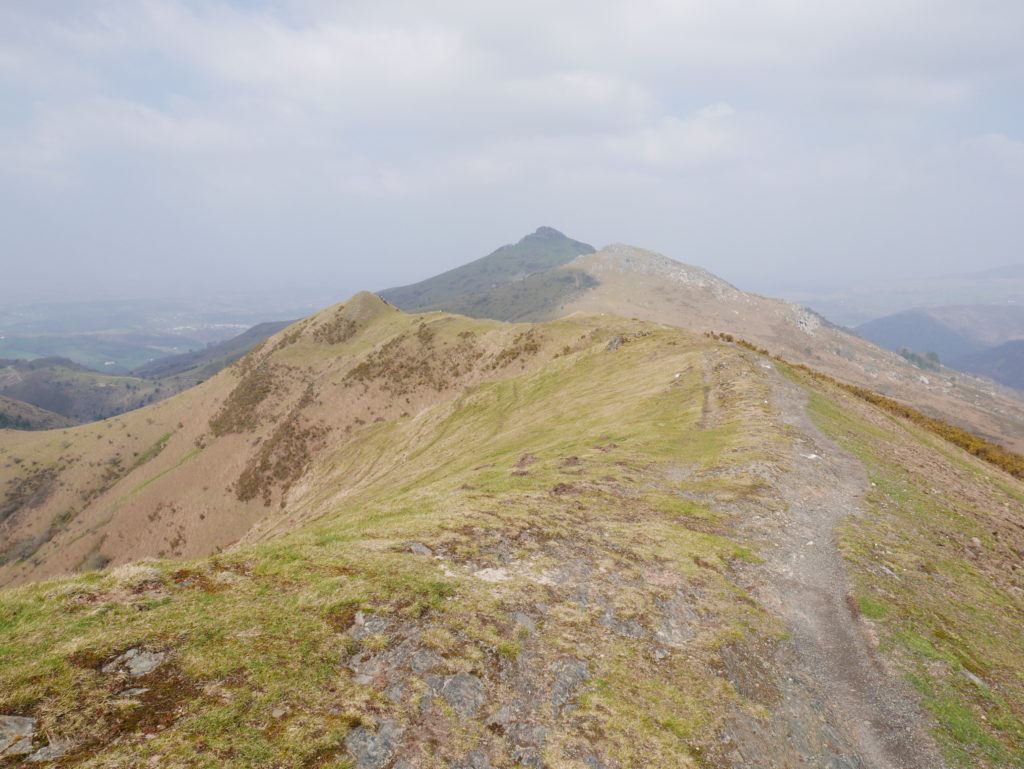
[456, 115]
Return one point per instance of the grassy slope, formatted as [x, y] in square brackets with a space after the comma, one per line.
[541, 250]
[566, 492]
[936, 563]
[269, 624]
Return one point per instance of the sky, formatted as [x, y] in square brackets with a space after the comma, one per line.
[168, 147]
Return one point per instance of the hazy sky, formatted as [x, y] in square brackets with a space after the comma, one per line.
[166, 146]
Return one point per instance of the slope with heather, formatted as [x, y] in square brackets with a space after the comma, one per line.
[463, 543]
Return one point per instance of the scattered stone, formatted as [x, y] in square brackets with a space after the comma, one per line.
[51, 752]
[279, 712]
[16, 734]
[374, 750]
[613, 345]
[134, 692]
[136, 662]
[418, 548]
[975, 544]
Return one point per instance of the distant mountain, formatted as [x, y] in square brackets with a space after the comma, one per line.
[202, 364]
[1004, 364]
[541, 250]
[856, 305]
[18, 415]
[952, 332]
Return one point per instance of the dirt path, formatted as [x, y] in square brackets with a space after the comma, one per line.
[835, 704]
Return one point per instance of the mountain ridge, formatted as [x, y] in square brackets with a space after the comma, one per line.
[436, 537]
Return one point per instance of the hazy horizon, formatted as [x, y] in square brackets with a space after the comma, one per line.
[297, 148]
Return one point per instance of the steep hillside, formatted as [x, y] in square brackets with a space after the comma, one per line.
[1004, 364]
[18, 415]
[541, 250]
[589, 543]
[631, 282]
[952, 332]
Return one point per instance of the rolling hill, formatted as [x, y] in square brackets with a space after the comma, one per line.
[74, 391]
[387, 541]
[80, 394]
[18, 415]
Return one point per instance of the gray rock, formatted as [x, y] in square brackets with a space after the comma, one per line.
[529, 734]
[374, 750]
[396, 693]
[367, 625]
[569, 674]
[475, 760]
[418, 548]
[525, 621]
[51, 752]
[133, 692]
[501, 717]
[465, 693]
[16, 734]
[528, 757]
[136, 662]
[424, 661]
[613, 345]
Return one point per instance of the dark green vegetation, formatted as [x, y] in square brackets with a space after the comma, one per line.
[544, 249]
[542, 293]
